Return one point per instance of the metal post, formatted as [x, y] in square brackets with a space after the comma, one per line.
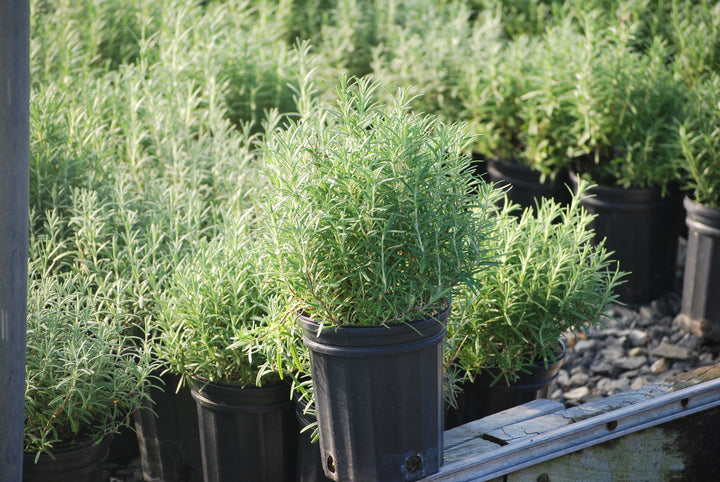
[14, 167]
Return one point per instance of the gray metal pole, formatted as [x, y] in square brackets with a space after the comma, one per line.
[14, 167]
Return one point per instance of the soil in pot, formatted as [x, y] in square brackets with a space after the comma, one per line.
[642, 228]
[378, 398]
[525, 187]
[485, 396]
[83, 463]
[246, 433]
[700, 309]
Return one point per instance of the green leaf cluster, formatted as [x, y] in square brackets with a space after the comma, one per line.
[700, 141]
[430, 55]
[134, 163]
[518, 96]
[218, 307]
[627, 106]
[369, 213]
[693, 33]
[83, 380]
[545, 278]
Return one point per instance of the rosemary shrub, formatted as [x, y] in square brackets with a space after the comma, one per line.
[546, 109]
[214, 321]
[627, 105]
[545, 278]
[430, 53]
[82, 379]
[694, 39]
[369, 210]
[529, 17]
[491, 87]
[700, 140]
[518, 96]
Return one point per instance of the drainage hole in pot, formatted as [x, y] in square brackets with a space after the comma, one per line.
[330, 464]
[413, 463]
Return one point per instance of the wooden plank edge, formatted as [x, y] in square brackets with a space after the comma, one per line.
[582, 434]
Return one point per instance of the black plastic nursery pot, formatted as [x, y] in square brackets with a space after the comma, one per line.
[309, 462]
[124, 446]
[524, 183]
[167, 433]
[378, 398]
[478, 166]
[642, 228]
[485, 396]
[78, 464]
[701, 283]
[246, 433]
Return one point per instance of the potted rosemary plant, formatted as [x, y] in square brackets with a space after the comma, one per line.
[545, 278]
[83, 380]
[518, 96]
[369, 215]
[214, 332]
[627, 143]
[700, 140]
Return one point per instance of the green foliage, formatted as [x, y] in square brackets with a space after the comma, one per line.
[700, 140]
[70, 37]
[524, 17]
[430, 53]
[546, 108]
[130, 174]
[518, 97]
[217, 307]
[243, 48]
[82, 379]
[369, 214]
[494, 81]
[64, 147]
[146, 117]
[627, 105]
[545, 278]
[694, 39]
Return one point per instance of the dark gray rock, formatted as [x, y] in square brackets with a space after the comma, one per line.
[636, 346]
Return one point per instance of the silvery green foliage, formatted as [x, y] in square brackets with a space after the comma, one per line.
[700, 140]
[430, 52]
[369, 214]
[627, 104]
[216, 310]
[83, 378]
[545, 278]
[518, 96]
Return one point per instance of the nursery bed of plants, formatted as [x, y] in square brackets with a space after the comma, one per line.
[604, 362]
[204, 174]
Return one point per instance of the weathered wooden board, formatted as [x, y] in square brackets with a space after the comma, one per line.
[467, 440]
[543, 441]
[685, 449]
[522, 429]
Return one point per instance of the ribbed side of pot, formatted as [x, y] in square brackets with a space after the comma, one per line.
[701, 282]
[378, 398]
[81, 464]
[309, 462]
[642, 228]
[246, 433]
[167, 432]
